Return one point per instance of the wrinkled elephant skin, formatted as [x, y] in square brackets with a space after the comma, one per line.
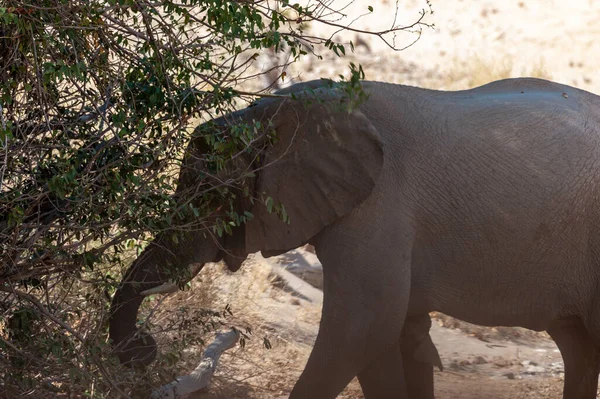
[483, 204]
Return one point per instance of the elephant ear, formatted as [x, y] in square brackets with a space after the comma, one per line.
[325, 163]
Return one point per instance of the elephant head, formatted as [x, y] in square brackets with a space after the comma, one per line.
[324, 163]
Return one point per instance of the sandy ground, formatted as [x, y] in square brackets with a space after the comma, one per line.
[474, 42]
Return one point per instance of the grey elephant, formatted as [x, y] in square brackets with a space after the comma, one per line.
[483, 204]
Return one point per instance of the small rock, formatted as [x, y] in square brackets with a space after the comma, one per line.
[557, 366]
[526, 363]
[535, 369]
[310, 248]
[459, 365]
[479, 360]
[510, 376]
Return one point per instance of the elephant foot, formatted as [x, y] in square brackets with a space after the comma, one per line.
[580, 355]
[384, 378]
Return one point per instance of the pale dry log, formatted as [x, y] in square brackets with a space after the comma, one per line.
[292, 282]
[188, 386]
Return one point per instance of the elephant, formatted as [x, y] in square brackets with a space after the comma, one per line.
[482, 204]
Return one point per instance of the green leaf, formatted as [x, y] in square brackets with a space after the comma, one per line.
[194, 210]
[269, 204]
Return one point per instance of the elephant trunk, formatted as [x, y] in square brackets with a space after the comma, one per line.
[136, 348]
[133, 347]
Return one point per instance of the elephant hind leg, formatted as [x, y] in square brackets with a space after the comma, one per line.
[404, 370]
[419, 355]
[580, 355]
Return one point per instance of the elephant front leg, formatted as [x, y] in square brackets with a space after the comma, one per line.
[580, 355]
[384, 377]
[365, 302]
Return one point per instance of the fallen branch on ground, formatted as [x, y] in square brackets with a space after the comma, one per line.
[183, 387]
[292, 282]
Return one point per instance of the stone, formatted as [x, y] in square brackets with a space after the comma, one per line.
[480, 360]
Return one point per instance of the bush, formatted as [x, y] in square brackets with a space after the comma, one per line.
[98, 101]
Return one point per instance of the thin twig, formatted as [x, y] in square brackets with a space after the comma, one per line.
[35, 302]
